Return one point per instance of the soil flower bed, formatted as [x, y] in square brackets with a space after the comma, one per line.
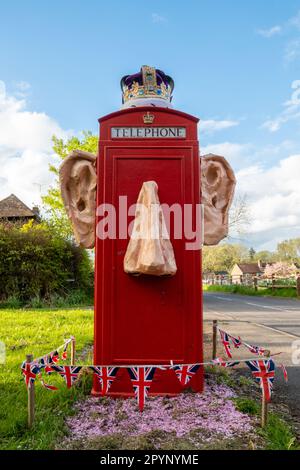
[197, 418]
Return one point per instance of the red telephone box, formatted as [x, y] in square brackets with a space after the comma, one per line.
[146, 319]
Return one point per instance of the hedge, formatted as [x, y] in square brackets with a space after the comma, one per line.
[36, 263]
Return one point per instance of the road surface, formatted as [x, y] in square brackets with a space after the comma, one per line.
[264, 321]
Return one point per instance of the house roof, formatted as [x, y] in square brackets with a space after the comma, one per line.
[11, 206]
[250, 268]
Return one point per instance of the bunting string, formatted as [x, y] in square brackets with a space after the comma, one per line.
[53, 356]
[227, 339]
[141, 376]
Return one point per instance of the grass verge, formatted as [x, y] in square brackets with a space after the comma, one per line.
[38, 332]
[244, 290]
[278, 434]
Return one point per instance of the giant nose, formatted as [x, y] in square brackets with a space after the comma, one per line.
[149, 250]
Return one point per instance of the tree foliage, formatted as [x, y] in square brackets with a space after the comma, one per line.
[223, 257]
[239, 215]
[280, 269]
[289, 250]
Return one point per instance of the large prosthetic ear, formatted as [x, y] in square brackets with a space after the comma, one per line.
[217, 183]
[77, 176]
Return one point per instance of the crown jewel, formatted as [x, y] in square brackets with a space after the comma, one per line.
[149, 83]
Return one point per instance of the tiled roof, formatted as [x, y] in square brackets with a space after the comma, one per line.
[13, 207]
[250, 268]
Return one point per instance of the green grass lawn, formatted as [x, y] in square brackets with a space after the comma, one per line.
[37, 332]
[244, 290]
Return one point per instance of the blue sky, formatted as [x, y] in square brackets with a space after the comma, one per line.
[234, 64]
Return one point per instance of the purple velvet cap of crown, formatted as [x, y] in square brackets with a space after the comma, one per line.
[128, 80]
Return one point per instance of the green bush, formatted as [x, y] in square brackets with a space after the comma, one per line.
[37, 265]
[246, 405]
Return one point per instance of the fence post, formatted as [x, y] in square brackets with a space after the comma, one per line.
[73, 350]
[255, 283]
[214, 349]
[30, 396]
[298, 286]
[264, 403]
[273, 282]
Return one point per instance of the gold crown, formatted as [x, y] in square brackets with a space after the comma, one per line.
[149, 89]
[148, 118]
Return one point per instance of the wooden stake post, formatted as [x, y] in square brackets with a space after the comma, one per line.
[264, 403]
[31, 396]
[214, 348]
[298, 286]
[73, 350]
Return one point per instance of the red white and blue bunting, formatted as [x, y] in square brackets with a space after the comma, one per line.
[106, 376]
[141, 376]
[227, 339]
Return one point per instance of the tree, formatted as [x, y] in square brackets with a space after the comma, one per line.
[265, 256]
[289, 250]
[53, 204]
[282, 269]
[222, 257]
[252, 253]
[239, 215]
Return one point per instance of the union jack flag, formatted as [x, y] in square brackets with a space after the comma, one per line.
[45, 363]
[54, 357]
[226, 343]
[255, 349]
[221, 362]
[49, 369]
[237, 342]
[185, 373]
[106, 376]
[141, 379]
[264, 372]
[65, 352]
[285, 374]
[30, 371]
[64, 355]
[69, 373]
[47, 386]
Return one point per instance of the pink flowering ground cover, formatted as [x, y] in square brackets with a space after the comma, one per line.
[195, 418]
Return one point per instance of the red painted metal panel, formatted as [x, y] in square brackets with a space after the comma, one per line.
[148, 320]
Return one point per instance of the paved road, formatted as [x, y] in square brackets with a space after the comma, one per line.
[263, 321]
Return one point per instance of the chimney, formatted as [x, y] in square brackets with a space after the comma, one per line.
[259, 264]
[36, 212]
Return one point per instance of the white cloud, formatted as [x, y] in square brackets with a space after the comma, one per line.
[156, 18]
[290, 31]
[274, 196]
[236, 154]
[210, 126]
[22, 89]
[292, 51]
[25, 148]
[268, 33]
[291, 110]
[295, 20]
[272, 190]
[23, 86]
